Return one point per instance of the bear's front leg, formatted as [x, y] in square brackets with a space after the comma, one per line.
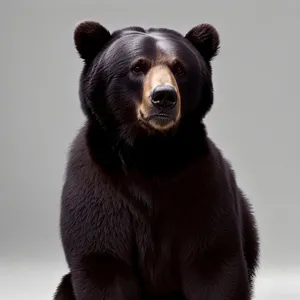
[97, 237]
[216, 277]
[103, 277]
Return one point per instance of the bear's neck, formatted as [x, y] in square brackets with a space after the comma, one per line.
[152, 155]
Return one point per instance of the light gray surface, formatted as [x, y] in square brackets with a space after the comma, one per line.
[255, 120]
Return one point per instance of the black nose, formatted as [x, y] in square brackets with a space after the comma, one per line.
[164, 96]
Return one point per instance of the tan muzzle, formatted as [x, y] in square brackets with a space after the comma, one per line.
[161, 103]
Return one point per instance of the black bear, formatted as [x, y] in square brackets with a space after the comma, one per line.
[150, 208]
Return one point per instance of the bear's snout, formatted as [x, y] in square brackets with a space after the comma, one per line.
[161, 104]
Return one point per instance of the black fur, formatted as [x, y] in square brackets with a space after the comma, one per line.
[144, 214]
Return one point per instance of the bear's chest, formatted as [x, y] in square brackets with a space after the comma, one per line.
[162, 221]
[157, 257]
[171, 218]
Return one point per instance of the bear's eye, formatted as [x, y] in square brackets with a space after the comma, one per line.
[179, 71]
[137, 69]
[140, 67]
[178, 68]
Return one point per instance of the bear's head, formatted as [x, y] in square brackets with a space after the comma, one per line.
[138, 82]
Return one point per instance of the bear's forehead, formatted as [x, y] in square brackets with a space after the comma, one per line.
[151, 44]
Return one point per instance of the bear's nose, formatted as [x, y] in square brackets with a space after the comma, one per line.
[164, 96]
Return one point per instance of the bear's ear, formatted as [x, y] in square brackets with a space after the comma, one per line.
[206, 40]
[89, 38]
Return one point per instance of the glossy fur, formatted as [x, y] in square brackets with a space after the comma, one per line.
[148, 214]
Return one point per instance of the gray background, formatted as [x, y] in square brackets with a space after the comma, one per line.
[255, 120]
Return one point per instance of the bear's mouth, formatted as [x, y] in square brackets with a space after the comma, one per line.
[159, 116]
[160, 121]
